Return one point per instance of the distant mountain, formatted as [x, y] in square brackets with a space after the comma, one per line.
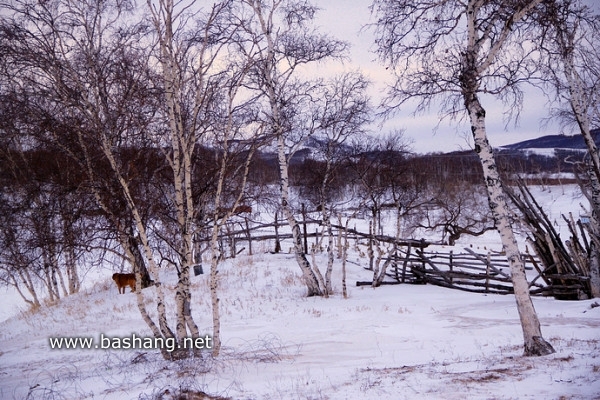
[574, 142]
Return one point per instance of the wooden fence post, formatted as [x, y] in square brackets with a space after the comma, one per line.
[277, 242]
[487, 272]
[405, 264]
[370, 252]
[249, 236]
[304, 229]
[451, 267]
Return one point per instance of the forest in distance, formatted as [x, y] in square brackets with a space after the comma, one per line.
[52, 216]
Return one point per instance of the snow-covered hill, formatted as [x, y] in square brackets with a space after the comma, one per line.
[393, 342]
[573, 142]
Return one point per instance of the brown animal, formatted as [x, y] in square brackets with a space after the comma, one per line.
[124, 280]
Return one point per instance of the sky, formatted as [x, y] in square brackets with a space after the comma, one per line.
[345, 20]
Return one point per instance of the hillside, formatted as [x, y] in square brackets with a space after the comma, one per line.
[393, 342]
[574, 142]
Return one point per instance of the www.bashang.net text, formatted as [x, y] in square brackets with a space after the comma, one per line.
[132, 342]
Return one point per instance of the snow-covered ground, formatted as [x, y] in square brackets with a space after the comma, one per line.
[393, 342]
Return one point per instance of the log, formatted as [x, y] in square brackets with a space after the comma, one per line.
[370, 283]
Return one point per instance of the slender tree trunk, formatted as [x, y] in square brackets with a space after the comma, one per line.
[326, 210]
[70, 257]
[214, 290]
[580, 106]
[308, 275]
[25, 277]
[277, 241]
[71, 268]
[330, 258]
[271, 85]
[328, 289]
[137, 260]
[532, 334]
[132, 254]
[594, 270]
[344, 259]
[370, 252]
[472, 69]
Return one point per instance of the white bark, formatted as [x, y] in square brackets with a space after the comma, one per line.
[275, 81]
[344, 259]
[308, 275]
[582, 105]
[595, 271]
[179, 158]
[532, 334]
[472, 70]
[25, 278]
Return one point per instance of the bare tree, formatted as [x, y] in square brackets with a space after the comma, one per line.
[77, 60]
[240, 134]
[280, 40]
[458, 211]
[44, 211]
[93, 70]
[343, 114]
[192, 80]
[573, 61]
[457, 52]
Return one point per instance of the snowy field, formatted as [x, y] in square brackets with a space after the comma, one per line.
[393, 342]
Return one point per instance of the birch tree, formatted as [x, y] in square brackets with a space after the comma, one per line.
[279, 38]
[78, 61]
[343, 113]
[91, 72]
[187, 60]
[238, 135]
[573, 61]
[460, 53]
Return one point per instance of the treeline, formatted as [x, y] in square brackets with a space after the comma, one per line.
[52, 219]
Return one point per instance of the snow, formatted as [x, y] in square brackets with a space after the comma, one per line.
[392, 342]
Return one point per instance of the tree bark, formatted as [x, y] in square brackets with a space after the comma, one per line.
[472, 69]
[534, 344]
[308, 275]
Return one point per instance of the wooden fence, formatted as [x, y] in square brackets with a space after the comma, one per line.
[468, 270]
[413, 263]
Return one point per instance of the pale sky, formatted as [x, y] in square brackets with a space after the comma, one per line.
[345, 18]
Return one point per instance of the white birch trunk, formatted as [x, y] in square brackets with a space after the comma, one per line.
[163, 329]
[144, 240]
[330, 258]
[472, 70]
[534, 344]
[214, 291]
[580, 106]
[370, 252]
[70, 258]
[270, 73]
[72, 275]
[179, 158]
[344, 259]
[141, 304]
[25, 278]
[595, 271]
[328, 289]
[308, 275]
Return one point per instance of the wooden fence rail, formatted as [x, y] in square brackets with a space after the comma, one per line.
[467, 271]
[414, 263]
